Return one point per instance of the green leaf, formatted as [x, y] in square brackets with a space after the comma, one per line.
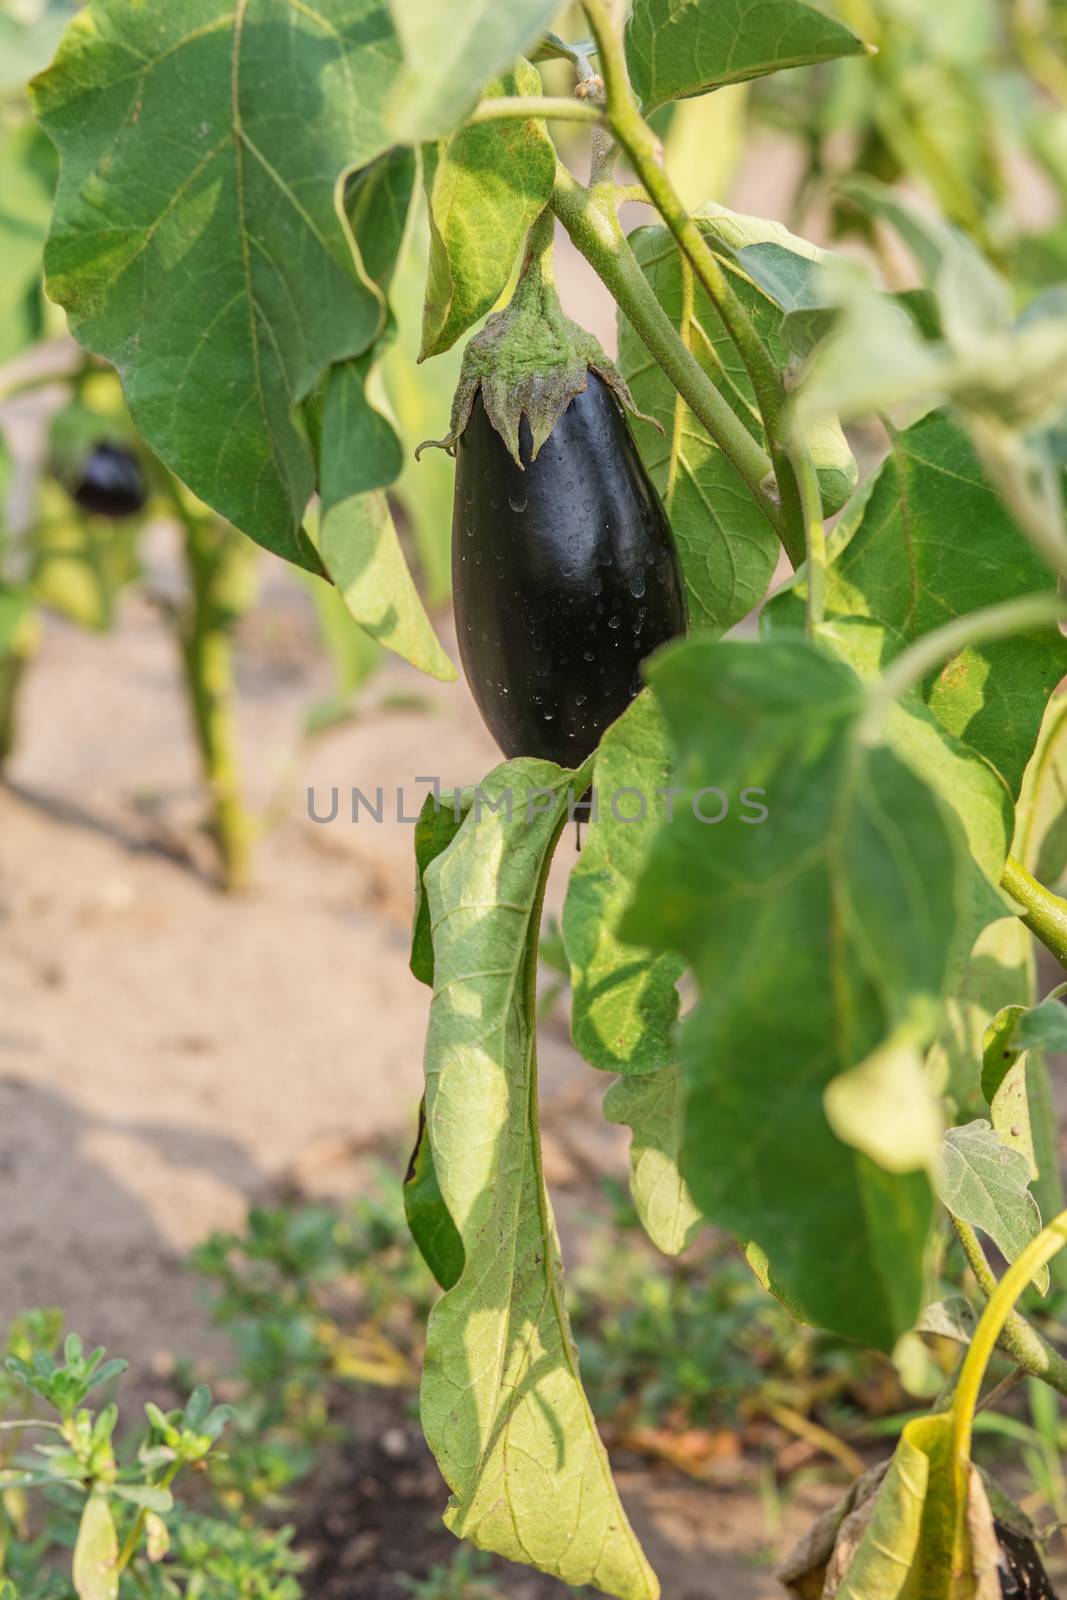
[431, 1227]
[200, 153]
[438, 824]
[1041, 815]
[27, 180]
[653, 1105]
[999, 973]
[906, 564]
[677, 48]
[985, 1183]
[727, 547]
[1044, 1027]
[813, 937]
[502, 1404]
[451, 48]
[884, 1108]
[486, 186]
[359, 452]
[361, 552]
[148, 1496]
[1004, 1085]
[96, 1551]
[625, 998]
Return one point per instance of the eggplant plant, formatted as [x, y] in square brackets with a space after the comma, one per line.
[845, 834]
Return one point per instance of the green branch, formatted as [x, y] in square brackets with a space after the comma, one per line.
[590, 220]
[1044, 913]
[644, 151]
[520, 108]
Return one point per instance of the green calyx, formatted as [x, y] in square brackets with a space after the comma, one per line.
[529, 360]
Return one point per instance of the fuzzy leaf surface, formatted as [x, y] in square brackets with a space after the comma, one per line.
[677, 48]
[813, 937]
[984, 1182]
[196, 243]
[489, 183]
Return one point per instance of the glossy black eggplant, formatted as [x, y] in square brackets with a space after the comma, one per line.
[112, 482]
[564, 574]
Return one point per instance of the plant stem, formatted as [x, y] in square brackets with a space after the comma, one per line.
[590, 220]
[557, 108]
[643, 149]
[814, 536]
[133, 1538]
[998, 1317]
[1044, 913]
[1026, 615]
[1018, 1338]
[203, 635]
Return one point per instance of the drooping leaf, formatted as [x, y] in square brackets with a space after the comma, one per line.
[502, 1404]
[932, 541]
[420, 397]
[625, 998]
[984, 1182]
[451, 48]
[96, 1552]
[487, 184]
[196, 243]
[653, 1105]
[431, 1227]
[918, 1541]
[728, 548]
[677, 48]
[812, 937]
[438, 824]
[359, 452]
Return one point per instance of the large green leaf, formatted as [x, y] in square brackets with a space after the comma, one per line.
[452, 48]
[931, 542]
[678, 48]
[502, 1403]
[487, 185]
[625, 999]
[196, 243]
[652, 1104]
[728, 548]
[815, 937]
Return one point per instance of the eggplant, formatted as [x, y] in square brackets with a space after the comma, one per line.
[112, 482]
[564, 573]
